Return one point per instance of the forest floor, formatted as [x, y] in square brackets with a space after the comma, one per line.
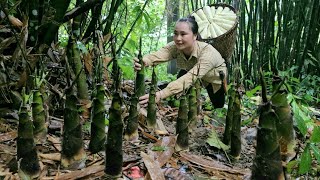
[152, 155]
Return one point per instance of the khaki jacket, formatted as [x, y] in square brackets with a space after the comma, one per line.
[205, 63]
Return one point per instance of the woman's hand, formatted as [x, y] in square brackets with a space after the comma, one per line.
[143, 100]
[137, 65]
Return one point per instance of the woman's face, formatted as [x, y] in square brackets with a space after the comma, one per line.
[184, 37]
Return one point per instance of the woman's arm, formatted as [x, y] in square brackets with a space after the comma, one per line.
[164, 54]
[206, 62]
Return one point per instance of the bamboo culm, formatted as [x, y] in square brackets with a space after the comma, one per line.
[280, 105]
[114, 154]
[236, 126]
[182, 125]
[98, 137]
[132, 121]
[131, 132]
[26, 150]
[193, 109]
[229, 117]
[39, 117]
[72, 154]
[267, 163]
[152, 107]
[140, 84]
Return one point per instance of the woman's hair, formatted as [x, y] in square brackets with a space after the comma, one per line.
[192, 22]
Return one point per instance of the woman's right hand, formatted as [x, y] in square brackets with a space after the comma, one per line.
[137, 65]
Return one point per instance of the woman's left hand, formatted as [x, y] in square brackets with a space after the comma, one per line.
[143, 100]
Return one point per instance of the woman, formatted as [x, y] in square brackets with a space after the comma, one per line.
[195, 59]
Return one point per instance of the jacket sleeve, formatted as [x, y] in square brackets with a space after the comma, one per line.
[164, 54]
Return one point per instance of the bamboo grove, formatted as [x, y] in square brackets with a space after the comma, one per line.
[274, 35]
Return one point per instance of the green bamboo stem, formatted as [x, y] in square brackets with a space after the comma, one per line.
[39, 118]
[198, 95]
[78, 67]
[285, 129]
[140, 84]
[28, 162]
[131, 133]
[152, 107]
[193, 108]
[115, 4]
[236, 126]
[229, 117]
[94, 21]
[33, 22]
[182, 125]
[267, 163]
[51, 26]
[98, 137]
[114, 154]
[73, 155]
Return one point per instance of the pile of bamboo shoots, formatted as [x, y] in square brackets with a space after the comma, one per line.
[214, 21]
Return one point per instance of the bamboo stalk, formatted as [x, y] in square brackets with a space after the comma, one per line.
[140, 84]
[98, 137]
[182, 125]
[236, 125]
[131, 133]
[152, 107]
[282, 109]
[39, 118]
[229, 117]
[114, 153]
[73, 155]
[193, 108]
[267, 163]
[28, 162]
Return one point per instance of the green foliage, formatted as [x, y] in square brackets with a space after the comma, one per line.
[159, 148]
[301, 115]
[316, 152]
[315, 138]
[252, 92]
[305, 163]
[214, 141]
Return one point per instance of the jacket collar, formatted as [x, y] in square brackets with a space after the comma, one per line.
[194, 52]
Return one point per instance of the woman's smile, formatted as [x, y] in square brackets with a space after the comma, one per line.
[184, 37]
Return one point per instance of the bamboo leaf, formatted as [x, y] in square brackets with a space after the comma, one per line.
[305, 163]
[300, 118]
[253, 91]
[291, 165]
[316, 152]
[315, 138]
[159, 148]
[214, 141]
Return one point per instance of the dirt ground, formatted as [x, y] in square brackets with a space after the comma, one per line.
[153, 150]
